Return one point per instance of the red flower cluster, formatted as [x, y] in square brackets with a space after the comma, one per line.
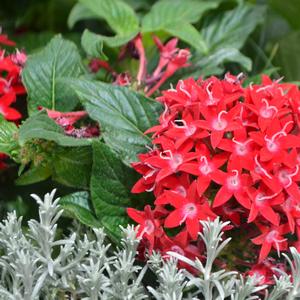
[10, 84]
[223, 150]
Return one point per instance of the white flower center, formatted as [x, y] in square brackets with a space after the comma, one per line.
[149, 226]
[233, 182]
[189, 210]
[219, 123]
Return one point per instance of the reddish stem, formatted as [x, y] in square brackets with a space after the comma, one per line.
[142, 56]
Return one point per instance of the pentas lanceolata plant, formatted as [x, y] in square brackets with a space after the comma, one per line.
[223, 150]
[10, 84]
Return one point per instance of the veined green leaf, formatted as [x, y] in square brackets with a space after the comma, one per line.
[210, 65]
[231, 29]
[119, 16]
[124, 115]
[72, 166]
[80, 12]
[176, 16]
[111, 183]
[58, 59]
[167, 13]
[92, 44]
[35, 174]
[8, 137]
[78, 204]
[189, 34]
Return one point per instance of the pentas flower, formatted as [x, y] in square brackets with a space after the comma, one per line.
[178, 61]
[8, 112]
[265, 271]
[241, 148]
[204, 168]
[166, 52]
[276, 141]
[291, 208]
[149, 226]
[262, 203]
[189, 210]
[147, 182]
[218, 121]
[271, 237]
[221, 149]
[181, 245]
[169, 160]
[188, 129]
[233, 183]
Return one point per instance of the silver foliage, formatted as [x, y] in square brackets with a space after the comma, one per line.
[38, 264]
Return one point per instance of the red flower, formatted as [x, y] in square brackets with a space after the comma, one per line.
[218, 122]
[266, 271]
[189, 210]
[271, 237]
[166, 53]
[168, 161]
[261, 203]
[276, 141]
[291, 208]
[233, 184]
[177, 62]
[205, 168]
[241, 148]
[149, 226]
[185, 131]
[8, 112]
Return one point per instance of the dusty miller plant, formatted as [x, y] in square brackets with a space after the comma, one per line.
[35, 264]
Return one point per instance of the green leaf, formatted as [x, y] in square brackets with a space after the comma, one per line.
[78, 204]
[287, 57]
[92, 43]
[210, 65]
[231, 29]
[8, 137]
[60, 58]
[124, 115]
[111, 183]
[167, 13]
[189, 34]
[35, 174]
[72, 166]
[40, 126]
[176, 16]
[79, 12]
[119, 16]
